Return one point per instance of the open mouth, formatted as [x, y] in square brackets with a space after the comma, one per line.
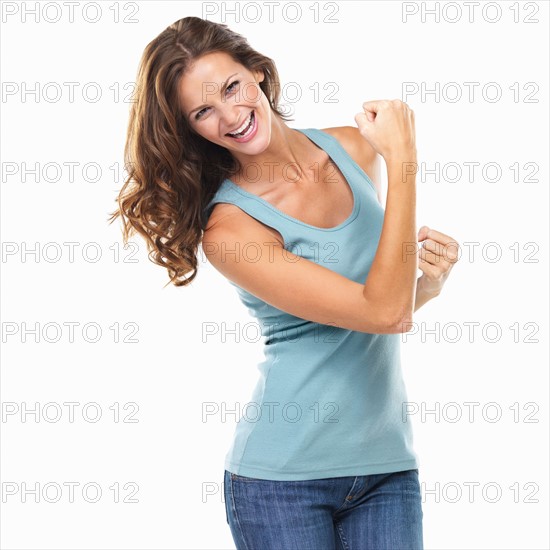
[243, 131]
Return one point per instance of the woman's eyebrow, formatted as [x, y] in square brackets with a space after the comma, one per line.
[224, 86]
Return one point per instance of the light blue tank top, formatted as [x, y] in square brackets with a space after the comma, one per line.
[328, 401]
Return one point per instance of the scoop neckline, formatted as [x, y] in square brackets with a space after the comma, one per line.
[347, 221]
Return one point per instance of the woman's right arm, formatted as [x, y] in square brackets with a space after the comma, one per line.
[305, 289]
[392, 276]
[389, 128]
[289, 282]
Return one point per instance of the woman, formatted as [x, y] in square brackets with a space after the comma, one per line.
[292, 219]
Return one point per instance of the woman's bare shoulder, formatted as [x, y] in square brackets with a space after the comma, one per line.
[361, 151]
[228, 215]
[357, 147]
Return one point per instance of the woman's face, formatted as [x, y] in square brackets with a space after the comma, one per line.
[220, 97]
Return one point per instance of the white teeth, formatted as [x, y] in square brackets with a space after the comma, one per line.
[243, 126]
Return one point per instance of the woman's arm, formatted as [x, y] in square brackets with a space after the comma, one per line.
[368, 160]
[422, 295]
[436, 249]
[436, 257]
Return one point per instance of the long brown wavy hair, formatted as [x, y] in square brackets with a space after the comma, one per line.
[172, 171]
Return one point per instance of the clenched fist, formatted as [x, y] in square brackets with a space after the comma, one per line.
[388, 125]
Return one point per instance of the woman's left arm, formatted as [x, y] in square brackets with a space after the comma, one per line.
[422, 296]
[436, 257]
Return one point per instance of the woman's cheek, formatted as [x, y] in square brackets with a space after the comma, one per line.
[252, 93]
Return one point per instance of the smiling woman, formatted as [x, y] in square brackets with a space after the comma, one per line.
[175, 156]
[211, 160]
[218, 120]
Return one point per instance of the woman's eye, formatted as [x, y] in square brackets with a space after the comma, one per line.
[199, 114]
[230, 87]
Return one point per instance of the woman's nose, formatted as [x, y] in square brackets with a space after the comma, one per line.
[230, 118]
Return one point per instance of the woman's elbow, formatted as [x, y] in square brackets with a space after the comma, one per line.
[404, 324]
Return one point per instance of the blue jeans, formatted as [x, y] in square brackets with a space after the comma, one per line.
[371, 512]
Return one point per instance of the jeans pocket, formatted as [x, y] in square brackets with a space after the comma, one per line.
[235, 477]
[226, 494]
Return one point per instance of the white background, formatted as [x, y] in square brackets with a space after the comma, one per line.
[172, 454]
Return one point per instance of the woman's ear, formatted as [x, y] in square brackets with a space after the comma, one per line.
[259, 75]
